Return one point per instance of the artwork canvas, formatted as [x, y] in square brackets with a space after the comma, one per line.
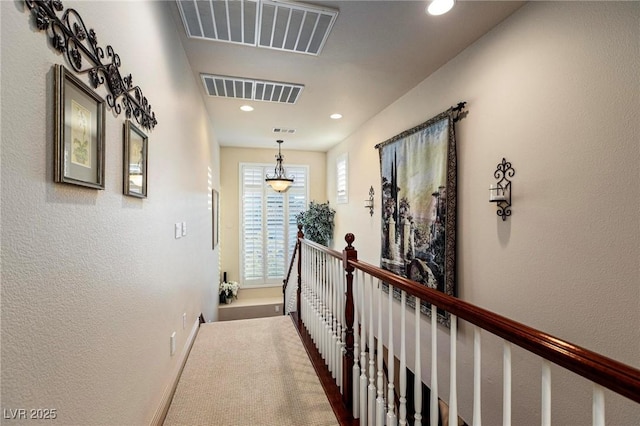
[136, 145]
[78, 132]
[80, 135]
[215, 208]
[418, 171]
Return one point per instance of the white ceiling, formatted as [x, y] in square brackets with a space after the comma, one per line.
[376, 52]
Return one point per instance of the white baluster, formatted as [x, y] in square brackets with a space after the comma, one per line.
[306, 277]
[477, 377]
[371, 391]
[343, 333]
[417, 380]
[317, 302]
[333, 284]
[433, 406]
[546, 393]
[380, 359]
[453, 386]
[314, 301]
[598, 405]
[313, 314]
[326, 305]
[506, 386]
[332, 323]
[318, 293]
[363, 356]
[355, 397]
[321, 309]
[341, 329]
[403, 360]
[391, 415]
[309, 290]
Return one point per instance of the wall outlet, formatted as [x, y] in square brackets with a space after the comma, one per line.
[277, 308]
[184, 320]
[173, 343]
[184, 229]
[178, 230]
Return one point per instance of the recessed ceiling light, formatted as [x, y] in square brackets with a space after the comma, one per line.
[336, 116]
[246, 108]
[440, 7]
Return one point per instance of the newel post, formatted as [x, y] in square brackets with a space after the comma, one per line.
[299, 290]
[349, 253]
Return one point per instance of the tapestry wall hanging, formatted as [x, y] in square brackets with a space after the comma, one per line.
[418, 169]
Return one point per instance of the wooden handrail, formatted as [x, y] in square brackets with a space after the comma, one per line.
[293, 257]
[285, 282]
[614, 375]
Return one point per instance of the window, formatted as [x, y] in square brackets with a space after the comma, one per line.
[268, 225]
[342, 179]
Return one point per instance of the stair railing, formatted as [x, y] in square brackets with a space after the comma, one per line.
[342, 313]
[288, 299]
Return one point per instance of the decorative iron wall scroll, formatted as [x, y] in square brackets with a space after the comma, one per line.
[419, 180]
[69, 35]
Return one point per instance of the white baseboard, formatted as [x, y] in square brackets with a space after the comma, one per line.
[167, 396]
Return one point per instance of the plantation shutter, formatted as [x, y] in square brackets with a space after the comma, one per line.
[252, 223]
[275, 237]
[297, 202]
[269, 226]
[342, 195]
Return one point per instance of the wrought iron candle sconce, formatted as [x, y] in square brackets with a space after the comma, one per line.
[368, 204]
[501, 192]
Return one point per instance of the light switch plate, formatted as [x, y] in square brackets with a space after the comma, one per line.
[173, 343]
[184, 229]
[178, 230]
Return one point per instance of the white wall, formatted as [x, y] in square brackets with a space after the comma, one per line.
[93, 282]
[555, 90]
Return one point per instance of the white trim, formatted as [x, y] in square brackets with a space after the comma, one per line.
[170, 389]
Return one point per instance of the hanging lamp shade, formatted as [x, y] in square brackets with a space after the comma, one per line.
[279, 181]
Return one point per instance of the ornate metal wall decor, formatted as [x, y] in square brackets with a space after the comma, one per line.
[368, 203]
[69, 35]
[501, 194]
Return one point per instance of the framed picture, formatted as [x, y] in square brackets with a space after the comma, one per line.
[135, 161]
[418, 173]
[215, 209]
[79, 118]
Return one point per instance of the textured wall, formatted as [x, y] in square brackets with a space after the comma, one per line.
[555, 90]
[230, 192]
[93, 282]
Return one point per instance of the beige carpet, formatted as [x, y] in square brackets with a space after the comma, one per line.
[249, 372]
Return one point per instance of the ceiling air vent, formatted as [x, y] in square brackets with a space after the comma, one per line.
[283, 130]
[294, 27]
[251, 89]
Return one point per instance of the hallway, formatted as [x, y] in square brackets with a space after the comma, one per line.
[251, 372]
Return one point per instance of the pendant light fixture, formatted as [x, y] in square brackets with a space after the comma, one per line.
[279, 181]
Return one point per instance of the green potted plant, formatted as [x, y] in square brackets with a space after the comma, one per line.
[317, 222]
